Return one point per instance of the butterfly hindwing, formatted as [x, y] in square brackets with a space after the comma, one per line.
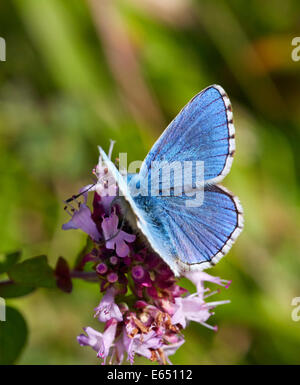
[192, 238]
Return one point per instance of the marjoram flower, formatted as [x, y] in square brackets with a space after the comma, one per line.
[143, 309]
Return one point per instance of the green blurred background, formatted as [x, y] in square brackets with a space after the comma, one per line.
[81, 72]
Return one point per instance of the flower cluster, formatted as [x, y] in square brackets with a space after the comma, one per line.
[143, 309]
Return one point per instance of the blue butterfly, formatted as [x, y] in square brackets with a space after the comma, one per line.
[189, 238]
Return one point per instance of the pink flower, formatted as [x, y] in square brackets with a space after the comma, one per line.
[106, 186]
[141, 344]
[171, 349]
[143, 306]
[193, 308]
[107, 309]
[141, 276]
[115, 237]
[119, 351]
[189, 308]
[199, 277]
[100, 342]
[82, 219]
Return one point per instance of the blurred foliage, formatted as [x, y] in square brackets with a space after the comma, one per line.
[13, 336]
[79, 73]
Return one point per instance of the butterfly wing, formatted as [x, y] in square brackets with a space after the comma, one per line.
[202, 131]
[201, 236]
[191, 238]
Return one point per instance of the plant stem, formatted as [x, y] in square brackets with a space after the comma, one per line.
[85, 275]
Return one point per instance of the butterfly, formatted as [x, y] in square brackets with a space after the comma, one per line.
[190, 238]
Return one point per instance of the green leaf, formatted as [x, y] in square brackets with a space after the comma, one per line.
[33, 272]
[13, 336]
[89, 266]
[9, 260]
[10, 289]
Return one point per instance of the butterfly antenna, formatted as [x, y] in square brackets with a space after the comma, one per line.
[73, 197]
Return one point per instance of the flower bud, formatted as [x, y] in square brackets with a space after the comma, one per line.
[101, 268]
[113, 260]
[137, 272]
[112, 277]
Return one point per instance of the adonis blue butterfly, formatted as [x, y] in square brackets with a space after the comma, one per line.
[188, 237]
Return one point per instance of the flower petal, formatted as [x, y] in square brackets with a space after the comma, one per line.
[116, 238]
[82, 219]
[108, 309]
